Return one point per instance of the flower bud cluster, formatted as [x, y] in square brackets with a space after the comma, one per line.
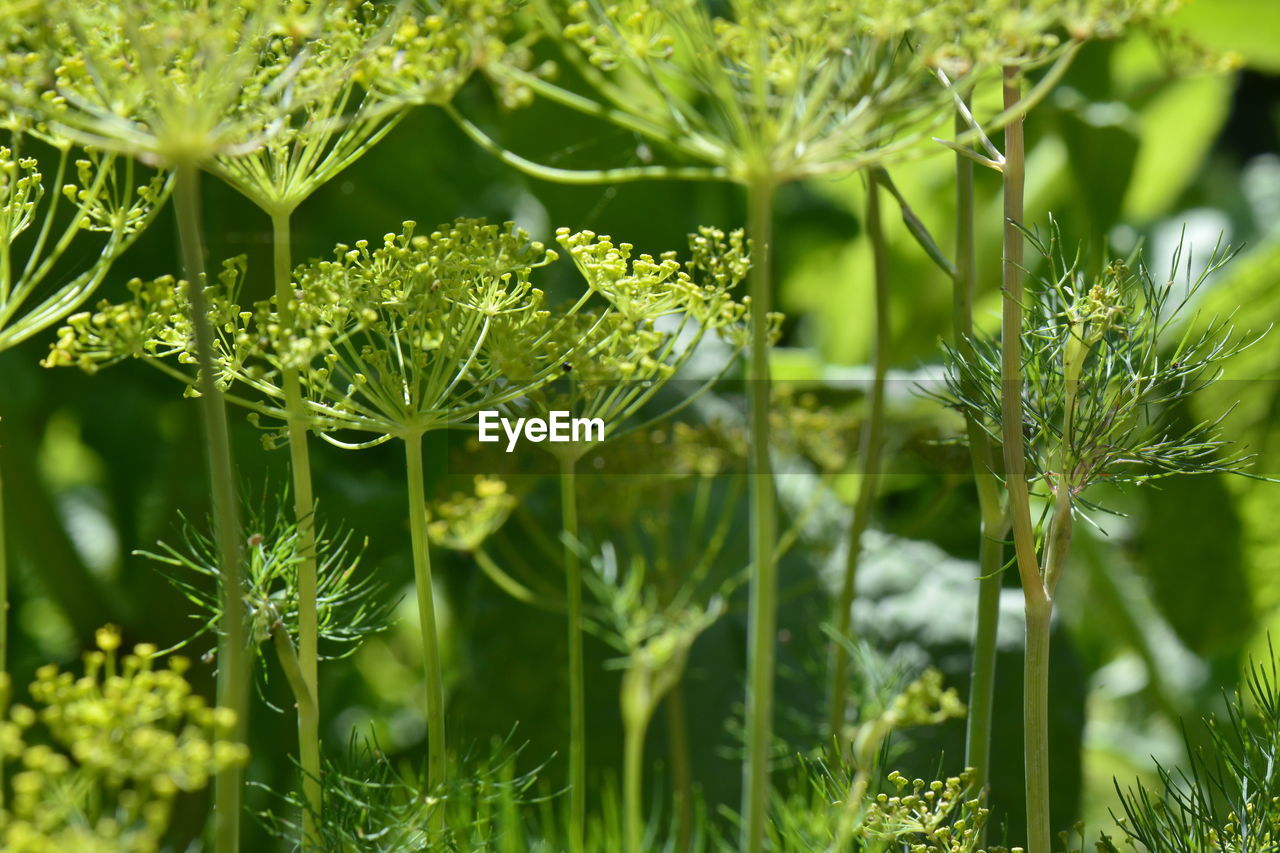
[121, 742]
[464, 521]
[426, 330]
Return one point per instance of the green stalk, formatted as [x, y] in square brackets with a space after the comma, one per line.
[991, 549]
[1037, 601]
[870, 445]
[632, 784]
[233, 664]
[577, 688]
[681, 766]
[982, 677]
[763, 608]
[304, 515]
[292, 668]
[4, 593]
[437, 762]
[1035, 719]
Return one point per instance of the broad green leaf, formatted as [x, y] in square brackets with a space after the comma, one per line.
[1250, 28]
[1177, 128]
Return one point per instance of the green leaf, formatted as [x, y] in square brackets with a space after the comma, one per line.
[1250, 28]
[1177, 128]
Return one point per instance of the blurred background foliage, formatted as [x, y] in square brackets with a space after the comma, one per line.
[1160, 610]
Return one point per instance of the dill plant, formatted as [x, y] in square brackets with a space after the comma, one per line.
[615, 361]
[1228, 797]
[356, 71]
[417, 335]
[764, 94]
[175, 86]
[1101, 362]
[655, 639]
[422, 333]
[1011, 39]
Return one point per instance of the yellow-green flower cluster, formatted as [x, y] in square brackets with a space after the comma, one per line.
[426, 330]
[657, 310]
[465, 521]
[941, 816]
[172, 82]
[805, 426]
[779, 89]
[123, 740]
[102, 199]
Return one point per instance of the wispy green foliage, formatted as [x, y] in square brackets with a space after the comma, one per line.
[350, 603]
[1106, 358]
[374, 805]
[1227, 797]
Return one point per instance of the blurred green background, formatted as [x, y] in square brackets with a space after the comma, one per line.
[1159, 611]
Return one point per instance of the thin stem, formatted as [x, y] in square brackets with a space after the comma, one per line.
[871, 444]
[437, 762]
[763, 607]
[991, 549]
[1038, 603]
[4, 594]
[304, 515]
[1015, 463]
[291, 667]
[681, 766]
[982, 680]
[1035, 721]
[582, 176]
[633, 781]
[233, 664]
[577, 689]
[513, 587]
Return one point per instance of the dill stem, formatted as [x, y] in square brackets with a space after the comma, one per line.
[304, 516]
[577, 686]
[763, 606]
[871, 443]
[4, 596]
[1038, 604]
[437, 761]
[991, 548]
[233, 668]
[681, 766]
[633, 780]
[292, 668]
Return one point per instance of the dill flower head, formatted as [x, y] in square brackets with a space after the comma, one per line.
[780, 90]
[115, 748]
[465, 520]
[607, 362]
[173, 82]
[108, 211]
